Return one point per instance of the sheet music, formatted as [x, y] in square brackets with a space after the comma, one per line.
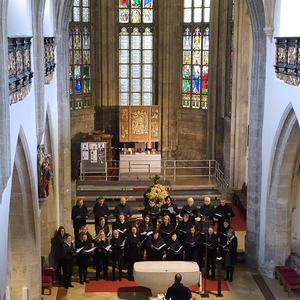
[78, 250]
[158, 248]
[107, 248]
[90, 250]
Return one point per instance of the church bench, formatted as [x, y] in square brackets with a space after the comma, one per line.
[288, 277]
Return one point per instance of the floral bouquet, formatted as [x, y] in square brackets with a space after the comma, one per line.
[156, 192]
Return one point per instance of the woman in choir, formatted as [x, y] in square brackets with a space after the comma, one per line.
[152, 211]
[192, 245]
[133, 244]
[174, 248]
[122, 226]
[102, 226]
[57, 246]
[83, 257]
[101, 254]
[84, 230]
[170, 209]
[146, 229]
[183, 228]
[211, 242]
[67, 261]
[117, 247]
[155, 247]
[230, 252]
[166, 228]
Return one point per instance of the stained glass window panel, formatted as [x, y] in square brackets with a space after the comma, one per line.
[148, 15]
[124, 56]
[147, 42]
[187, 57]
[86, 39]
[206, 3]
[136, 41]
[124, 71]
[196, 101]
[86, 86]
[135, 16]
[70, 57]
[206, 39]
[135, 71]
[124, 42]
[187, 39]
[85, 3]
[186, 72]
[136, 99]
[135, 56]
[124, 85]
[77, 76]
[186, 86]
[147, 71]
[76, 14]
[206, 15]
[186, 100]
[147, 85]
[76, 3]
[86, 71]
[197, 57]
[124, 98]
[147, 56]
[147, 98]
[196, 81]
[123, 3]
[187, 3]
[204, 83]
[86, 57]
[85, 14]
[197, 15]
[205, 58]
[197, 3]
[124, 15]
[135, 85]
[187, 18]
[148, 3]
[77, 57]
[204, 102]
[197, 39]
[136, 3]
[77, 39]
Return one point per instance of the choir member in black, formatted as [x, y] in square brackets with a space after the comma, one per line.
[79, 216]
[122, 226]
[174, 248]
[103, 226]
[222, 212]
[206, 214]
[155, 247]
[190, 209]
[222, 234]
[192, 245]
[152, 211]
[84, 230]
[133, 244]
[117, 247]
[170, 209]
[124, 208]
[146, 229]
[57, 244]
[67, 261]
[183, 228]
[83, 257]
[100, 210]
[230, 252]
[101, 254]
[211, 242]
[166, 228]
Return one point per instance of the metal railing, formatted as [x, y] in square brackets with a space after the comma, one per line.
[172, 170]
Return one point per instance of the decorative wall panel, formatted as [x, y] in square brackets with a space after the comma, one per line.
[49, 54]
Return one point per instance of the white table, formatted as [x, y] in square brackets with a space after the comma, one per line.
[159, 275]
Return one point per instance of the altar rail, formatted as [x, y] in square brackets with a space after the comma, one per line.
[170, 170]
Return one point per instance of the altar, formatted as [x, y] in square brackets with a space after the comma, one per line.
[139, 164]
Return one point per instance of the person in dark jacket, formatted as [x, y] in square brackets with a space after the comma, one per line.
[177, 291]
[100, 210]
[124, 208]
[84, 230]
[146, 230]
[133, 244]
[170, 209]
[230, 253]
[122, 226]
[57, 244]
[183, 228]
[166, 228]
[152, 211]
[117, 247]
[174, 248]
[190, 209]
[101, 254]
[103, 226]
[211, 242]
[192, 245]
[83, 257]
[79, 216]
[222, 212]
[155, 247]
[67, 261]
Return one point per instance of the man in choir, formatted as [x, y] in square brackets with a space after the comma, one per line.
[57, 243]
[155, 247]
[230, 253]
[122, 225]
[67, 261]
[174, 248]
[207, 210]
[79, 216]
[166, 228]
[222, 212]
[101, 254]
[170, 209]
[83, 257]
[177, 291]
[100, 210]
[124, 208]
[211, 242]
[117, 246]
[190, 209]
[183, 228]
[152, 211]
[133, 244]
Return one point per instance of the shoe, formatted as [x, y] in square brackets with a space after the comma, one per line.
[71, 285]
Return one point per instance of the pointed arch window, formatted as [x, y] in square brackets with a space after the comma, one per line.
[195, 54]
[136, 52]
[80, 55]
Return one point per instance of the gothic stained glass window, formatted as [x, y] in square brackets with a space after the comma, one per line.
[195, 58]
[80, 55]
[136, 52]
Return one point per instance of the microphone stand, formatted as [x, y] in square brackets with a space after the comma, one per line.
[205, 294]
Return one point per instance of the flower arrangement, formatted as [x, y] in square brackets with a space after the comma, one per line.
[156, 192]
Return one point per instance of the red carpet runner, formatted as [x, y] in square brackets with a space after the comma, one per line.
[238, 222]
[126, 286]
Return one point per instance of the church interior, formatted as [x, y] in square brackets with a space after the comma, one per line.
[143, 117]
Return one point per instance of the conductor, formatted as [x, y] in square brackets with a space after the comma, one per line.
[177, 291]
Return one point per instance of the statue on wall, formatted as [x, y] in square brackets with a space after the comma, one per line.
[44, 171]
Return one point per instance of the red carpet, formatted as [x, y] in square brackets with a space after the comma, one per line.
[237, 222]
[126, 286]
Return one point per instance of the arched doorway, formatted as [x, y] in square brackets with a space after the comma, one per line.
[24, 267]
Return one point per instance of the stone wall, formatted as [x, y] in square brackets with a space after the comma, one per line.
[82, 121]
